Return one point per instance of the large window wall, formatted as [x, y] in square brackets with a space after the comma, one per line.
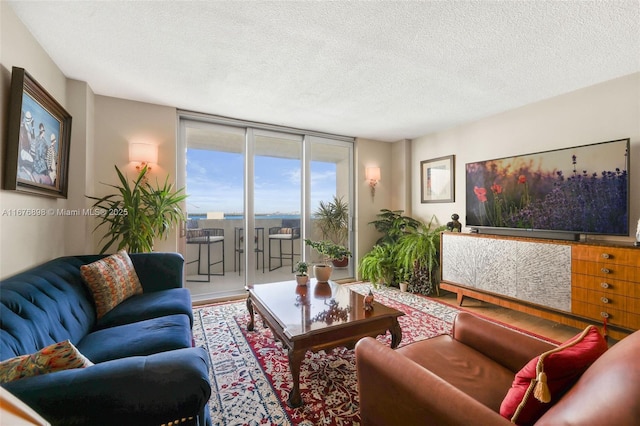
[261, 185]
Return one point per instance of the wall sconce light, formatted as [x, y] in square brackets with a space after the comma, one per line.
[372, 174]
[143, 153]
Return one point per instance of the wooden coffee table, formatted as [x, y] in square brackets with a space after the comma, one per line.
[319, 316]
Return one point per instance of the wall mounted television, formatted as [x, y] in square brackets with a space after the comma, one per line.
[553, 194]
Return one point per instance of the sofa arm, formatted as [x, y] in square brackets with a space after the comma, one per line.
[149, 390]
[394, 390]
[508, 347]
[158, 271]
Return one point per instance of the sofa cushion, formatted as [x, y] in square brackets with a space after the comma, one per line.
[111, 280]
[149, 305]
[549, 375]
[463, 367]
[56, 357]
[42, 306]
[138, 338]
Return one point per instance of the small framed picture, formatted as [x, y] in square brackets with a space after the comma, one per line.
[39, 133]
[437, 183]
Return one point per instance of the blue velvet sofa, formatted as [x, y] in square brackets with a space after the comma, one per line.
[146, 371]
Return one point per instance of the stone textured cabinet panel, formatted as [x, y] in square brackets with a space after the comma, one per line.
[534, 272]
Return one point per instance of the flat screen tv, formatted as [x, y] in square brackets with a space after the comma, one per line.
[557, 194]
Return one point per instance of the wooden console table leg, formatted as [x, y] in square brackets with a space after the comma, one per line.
[251, 314]
[295, 362]
[396, 333]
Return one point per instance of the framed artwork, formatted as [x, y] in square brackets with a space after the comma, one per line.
[437, 180]
[39, 133]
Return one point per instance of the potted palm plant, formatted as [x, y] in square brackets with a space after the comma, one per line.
[138, 213]
[332, 219]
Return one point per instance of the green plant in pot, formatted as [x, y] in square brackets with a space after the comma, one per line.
[419, 252]
[393, 225]
[377, 266]
[302, 278]
[332, 219]
[138, 213]
[329, 251]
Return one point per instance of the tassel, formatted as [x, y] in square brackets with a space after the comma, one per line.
[541, 391]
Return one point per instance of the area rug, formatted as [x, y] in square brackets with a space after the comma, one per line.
[250, 374]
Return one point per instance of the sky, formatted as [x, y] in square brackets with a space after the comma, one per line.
[215, 183]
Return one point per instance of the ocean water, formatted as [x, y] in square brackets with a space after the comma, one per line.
[238, 216]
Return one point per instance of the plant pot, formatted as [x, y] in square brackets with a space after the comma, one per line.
[403, 286]
[340, 263]
[302, 279]
[322, 272]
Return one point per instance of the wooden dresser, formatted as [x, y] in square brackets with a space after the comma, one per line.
[574, 283]
[605, 284]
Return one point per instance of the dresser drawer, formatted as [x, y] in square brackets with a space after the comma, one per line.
[605, 300]
[614, 316]
[614, 255]
[606, 284]
[606, 270]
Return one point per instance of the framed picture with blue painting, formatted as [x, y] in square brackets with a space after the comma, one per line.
[39, 133]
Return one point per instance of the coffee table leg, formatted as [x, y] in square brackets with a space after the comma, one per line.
[295, 362]
[250, 309]
[396, 334]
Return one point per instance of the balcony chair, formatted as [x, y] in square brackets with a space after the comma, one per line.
[205, 237]
[239, 248]
[289, 231]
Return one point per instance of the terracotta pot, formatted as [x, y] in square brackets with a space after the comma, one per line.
[341, 263]
[322, 272]
[302, 279]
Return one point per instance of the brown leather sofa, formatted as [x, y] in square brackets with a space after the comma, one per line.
[462, 379]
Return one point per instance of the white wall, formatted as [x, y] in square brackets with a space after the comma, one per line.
[371, 153]
[119, 122]
[606, 111]
[27, 241]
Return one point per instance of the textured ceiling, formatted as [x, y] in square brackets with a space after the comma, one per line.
[383, 70]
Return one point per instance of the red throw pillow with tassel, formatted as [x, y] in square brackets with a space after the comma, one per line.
[547, 377]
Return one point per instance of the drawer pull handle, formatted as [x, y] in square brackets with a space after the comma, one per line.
[605, 271]
[605, 255]
[604, 300]
[604, 285]
[604, 315]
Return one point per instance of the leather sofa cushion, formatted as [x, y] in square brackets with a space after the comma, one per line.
[473, 373]
[137, 339]
[147, 306]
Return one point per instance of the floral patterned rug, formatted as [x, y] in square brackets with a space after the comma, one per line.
[250, 372]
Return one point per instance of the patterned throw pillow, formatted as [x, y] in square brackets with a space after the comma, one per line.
[56, 357]
[547, 377]
[111, 281]
[286, 230]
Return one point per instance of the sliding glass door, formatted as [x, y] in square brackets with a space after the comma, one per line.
[257, 192]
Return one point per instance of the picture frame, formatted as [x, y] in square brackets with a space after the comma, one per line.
[38, 138]
[437, 180]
